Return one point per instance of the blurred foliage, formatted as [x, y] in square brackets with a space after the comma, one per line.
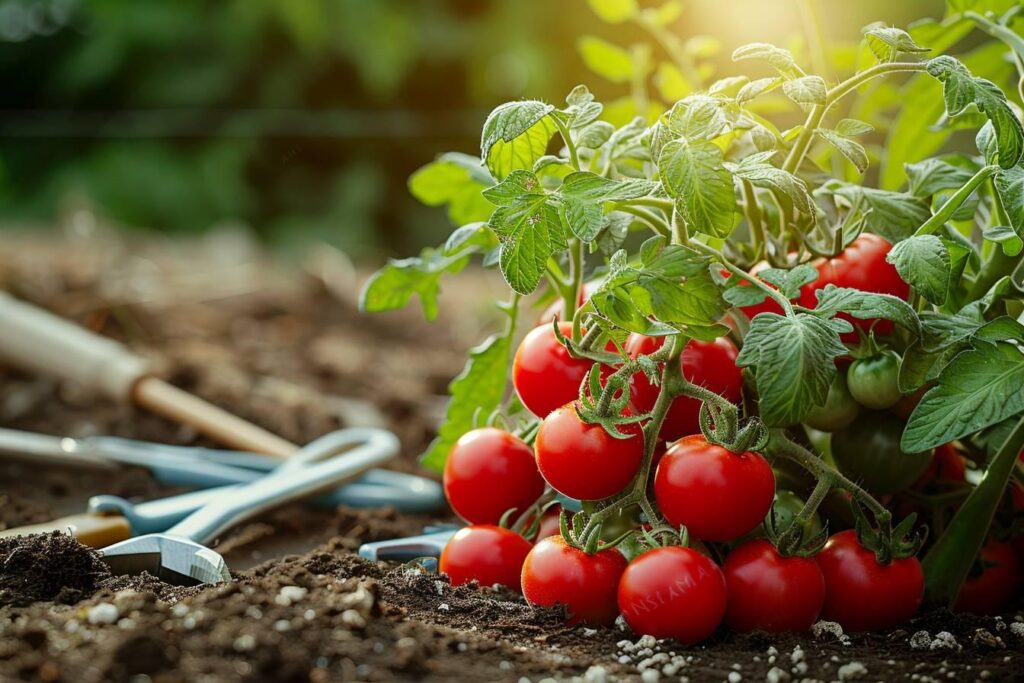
[304, 118]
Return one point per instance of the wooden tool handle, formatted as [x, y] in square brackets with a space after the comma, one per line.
[37, 340]
[97, 531]
[221, 426]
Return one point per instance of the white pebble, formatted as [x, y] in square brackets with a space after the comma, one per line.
[852, 670]
[650, 676]
[777, 675]
[443, 607]
[244, 643]
[353, 618]
[735, 677]
[103, 613]
[282, 625]
[944, 640]
[1017, 628]
[920, 640]
[798, 655]
[289, 595]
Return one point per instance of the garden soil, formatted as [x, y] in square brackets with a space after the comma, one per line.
[285, 346]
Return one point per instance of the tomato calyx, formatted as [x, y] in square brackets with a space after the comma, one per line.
[583, 531]
[791, 539]
[887, 542]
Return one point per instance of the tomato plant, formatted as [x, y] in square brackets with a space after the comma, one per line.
[768, 592]
[585, 584]
[584, 461]
[487, 554]
[717, 494]
[734, 271]
[488, 473]
[673, 592]
[862, 594]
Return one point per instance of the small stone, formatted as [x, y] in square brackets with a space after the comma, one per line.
[650, 676]
[289, 595]
[1017, 629]
[353, 619]
[800, 668]
[944, 640]
[506, 665]
[848, 672]
[735, 677]
[179, 610]
[921, 641]
[103, 613]
[830, 628]
[282, 625]
[777, 675]
[244, 643]
[798, 655]
[443, 607]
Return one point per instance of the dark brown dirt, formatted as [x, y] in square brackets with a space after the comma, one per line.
[293, 354]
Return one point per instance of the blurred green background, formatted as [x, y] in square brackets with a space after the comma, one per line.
[302, 119]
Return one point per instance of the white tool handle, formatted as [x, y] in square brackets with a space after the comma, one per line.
[33, 339]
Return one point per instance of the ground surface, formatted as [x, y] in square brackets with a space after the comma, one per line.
[287, 348]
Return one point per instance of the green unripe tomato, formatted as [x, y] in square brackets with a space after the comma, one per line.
[868, 452]
[873, 381]
[840, 408]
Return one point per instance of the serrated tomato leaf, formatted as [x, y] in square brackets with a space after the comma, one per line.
[923, 262]
[980, 387]
[793, 363]
[694, 175]
[866, 305]
[392, 286]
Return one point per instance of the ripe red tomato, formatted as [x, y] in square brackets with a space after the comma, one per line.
[673, 593]
[488, 472]
[863, 595]
[487, 554]
[582, 460]
[995, 589]
[862, 266]
[544, 374]
[708, 364]
[556, 573]
[768, 592]
[947, 465]
[717, 494]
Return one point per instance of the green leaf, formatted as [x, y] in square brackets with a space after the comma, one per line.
[806, 90]
[614, 230]
[515, 135]
[1009, 185]
[887, 43]
[790, 281]
[606, 60]
[853, 127]
[919, 366]
[781, 60]
[593, 135]
[456, 180]
[758, 87]
[516, 184]
[590, 186]
[1006, 237]
[941, 330]
[477, 390]
[582, 109]
[980, 387]
[923, 262]
[694, 175]
[530, 231]
[672, 283]
[793, 361]
[697, 117]
[867, 305]
[470, 237]
[762, 174]
[851, 149]
[392, 286]
[582, 217]
[893, 215]
[960, 89]
[932, 175]
[613, 11]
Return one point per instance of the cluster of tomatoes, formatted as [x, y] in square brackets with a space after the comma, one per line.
[728, 572]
